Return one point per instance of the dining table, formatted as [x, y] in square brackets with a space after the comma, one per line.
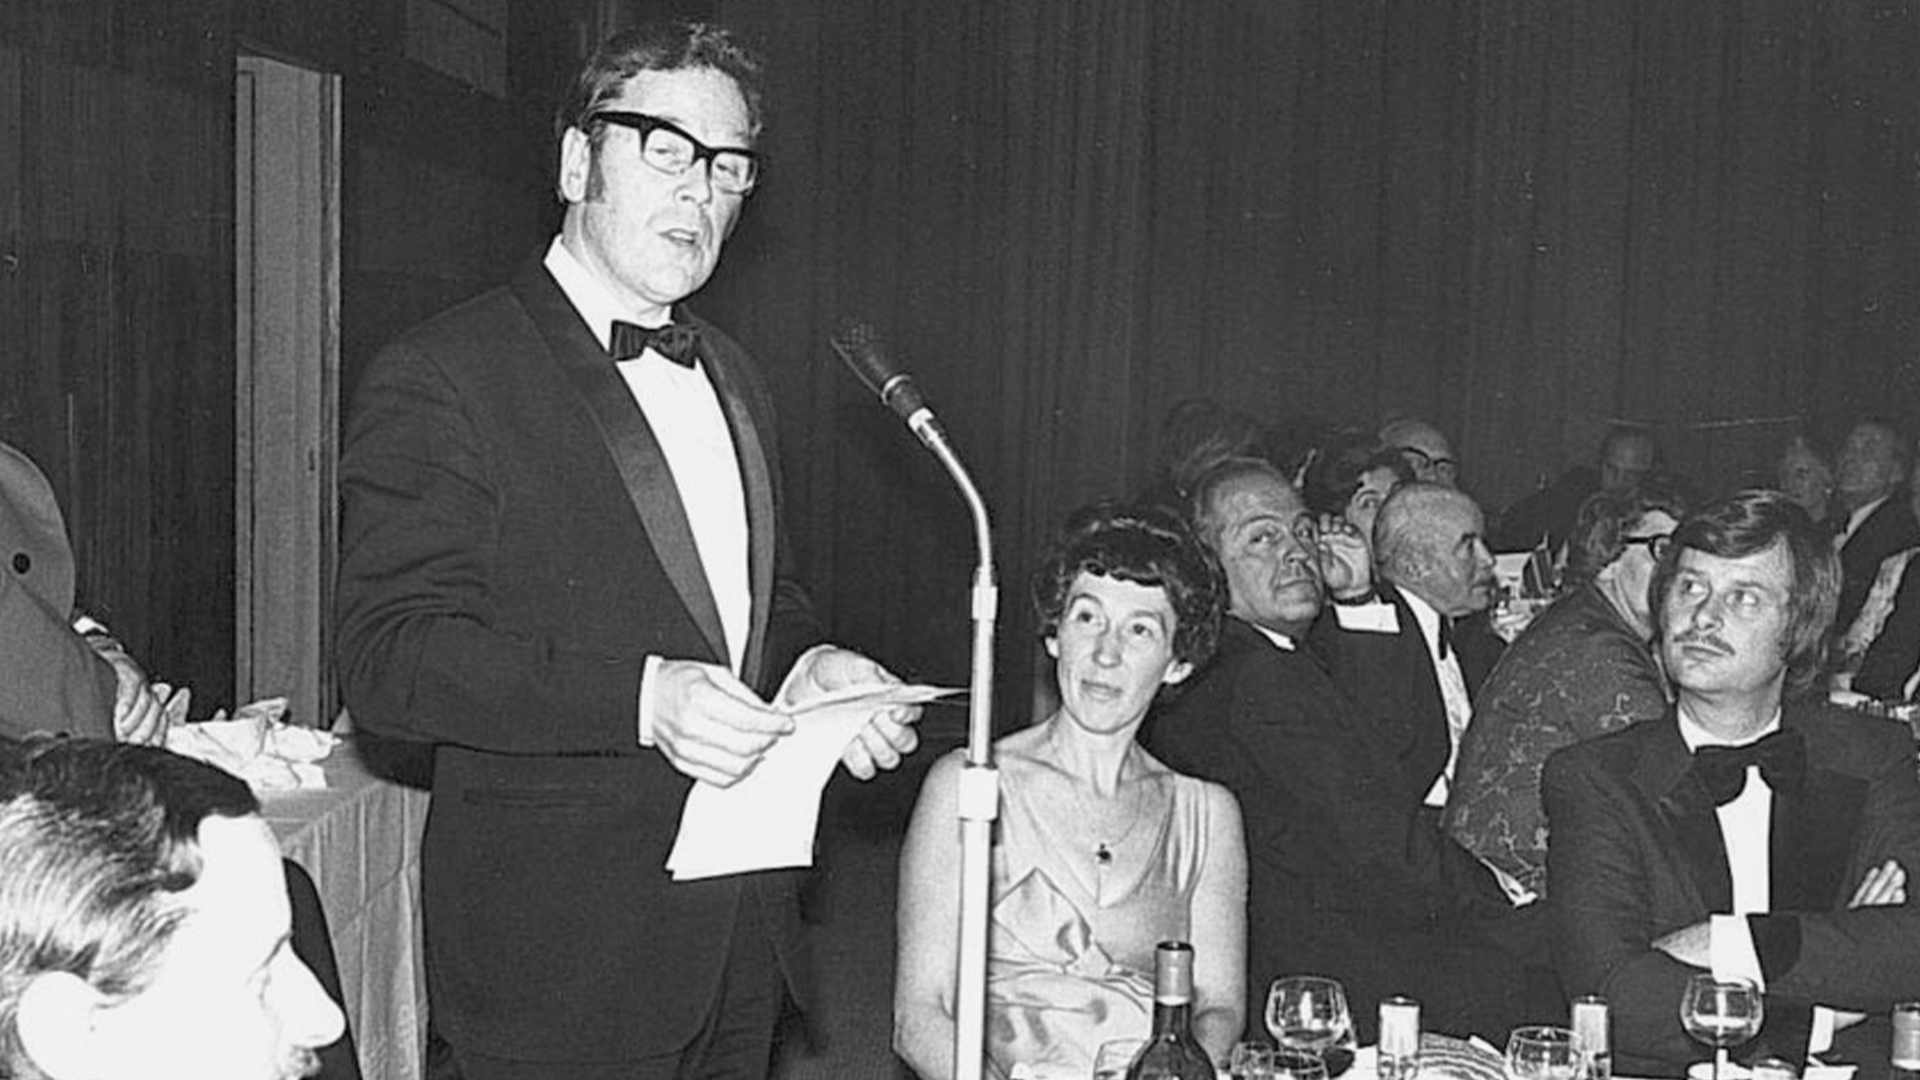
[359, 839]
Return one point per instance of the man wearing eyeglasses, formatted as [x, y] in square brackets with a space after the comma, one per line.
[1753, 831]
[561, 565]
[1426, 449]
[1582, 668]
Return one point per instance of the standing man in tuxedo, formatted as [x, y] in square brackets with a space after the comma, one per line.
[1740, 834]
[1411, 655]
[561, 564]
[1872, 523]
[60, 671]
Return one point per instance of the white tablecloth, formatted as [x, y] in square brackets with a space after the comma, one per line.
[360, 840]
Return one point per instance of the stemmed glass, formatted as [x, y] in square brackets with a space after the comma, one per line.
[1309, 1013]
[1721, 1013]
[1544, 1053]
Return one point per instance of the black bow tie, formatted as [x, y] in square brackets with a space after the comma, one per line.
[677, 342]
[1722, 770]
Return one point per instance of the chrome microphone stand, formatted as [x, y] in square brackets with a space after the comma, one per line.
[979, 780]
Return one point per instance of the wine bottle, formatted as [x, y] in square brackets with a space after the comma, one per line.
[1905, 1059]
[1172, 1053]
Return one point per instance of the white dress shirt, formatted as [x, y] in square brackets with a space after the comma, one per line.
[1453, 692]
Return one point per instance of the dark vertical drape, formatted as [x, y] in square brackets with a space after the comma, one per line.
[1522, 219]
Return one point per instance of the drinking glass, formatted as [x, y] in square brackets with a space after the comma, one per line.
[1721, 1013]
[1114, 1056]
[1250, 1059]
[1309, 1013]
[1285, 1064]
[1544, 1053]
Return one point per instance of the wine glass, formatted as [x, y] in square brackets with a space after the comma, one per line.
[1115, 1056]
[1544, 1053]
[1308, 1012]
[1721, 1013]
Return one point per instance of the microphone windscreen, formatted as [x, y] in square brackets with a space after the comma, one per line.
[860, 346]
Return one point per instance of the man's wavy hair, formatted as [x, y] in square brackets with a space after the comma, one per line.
[1146, 546]
[97, 839]
[662, 46]
[1750, 522]
[1604, 518]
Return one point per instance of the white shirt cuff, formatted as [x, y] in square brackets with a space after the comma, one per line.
[1732, 950]
[647, 671]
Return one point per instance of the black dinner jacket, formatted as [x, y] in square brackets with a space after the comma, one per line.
[1345, 875]
[512, 547]
[1636, 853]
[1887, 530]
[1390, 677]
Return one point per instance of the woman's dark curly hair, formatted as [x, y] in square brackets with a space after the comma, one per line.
[1341, 463]
[1146, 546]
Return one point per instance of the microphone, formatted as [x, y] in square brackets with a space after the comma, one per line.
[863, 350]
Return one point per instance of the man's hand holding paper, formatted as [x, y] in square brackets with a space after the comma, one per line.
[888, 734]
[708, 724]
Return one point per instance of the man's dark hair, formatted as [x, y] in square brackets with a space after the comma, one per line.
[1750, 522]
[1605, 518]
[1146, 546]
[96, 838]
[1337, 468]
[663, 46]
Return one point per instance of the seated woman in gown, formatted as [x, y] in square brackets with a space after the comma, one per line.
[1100, 851]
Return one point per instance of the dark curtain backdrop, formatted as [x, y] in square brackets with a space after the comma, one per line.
[1522, 219]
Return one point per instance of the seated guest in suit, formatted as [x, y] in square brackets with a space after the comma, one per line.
[1871, 523]
[1546, 517]
[1879, 653]
[1101, 852]
[62, 672]
[1413, 657]
[1425, 448]
[1350, 476]
[144, 923]
[1805, 476]
[1748, 831]
[1581, 669]
[1348, 878]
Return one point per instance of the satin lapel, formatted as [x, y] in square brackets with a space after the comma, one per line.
[630, 442]
[1688, 812]
[1812, 839]
[757, 479]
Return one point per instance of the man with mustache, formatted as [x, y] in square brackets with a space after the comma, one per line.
[1415, 656]
[1754, 830]
[144, 923]
[1346, 876]
[562, 565]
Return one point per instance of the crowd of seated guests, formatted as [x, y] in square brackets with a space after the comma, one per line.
[1386, 749]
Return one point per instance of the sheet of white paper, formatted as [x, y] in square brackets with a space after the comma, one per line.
[767, 820]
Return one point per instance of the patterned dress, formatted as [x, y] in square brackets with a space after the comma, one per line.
[1578, 671]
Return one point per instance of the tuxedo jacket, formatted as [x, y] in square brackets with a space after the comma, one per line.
[512, 547]
[1636, 853]
[1887, 530]
[54, 680]
[1390, 677]
[1346, 876]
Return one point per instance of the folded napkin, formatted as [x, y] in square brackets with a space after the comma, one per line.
[258, 746]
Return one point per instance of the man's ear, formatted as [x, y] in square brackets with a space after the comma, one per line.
[1176, 673]
[57, 1024]
[576, 166]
